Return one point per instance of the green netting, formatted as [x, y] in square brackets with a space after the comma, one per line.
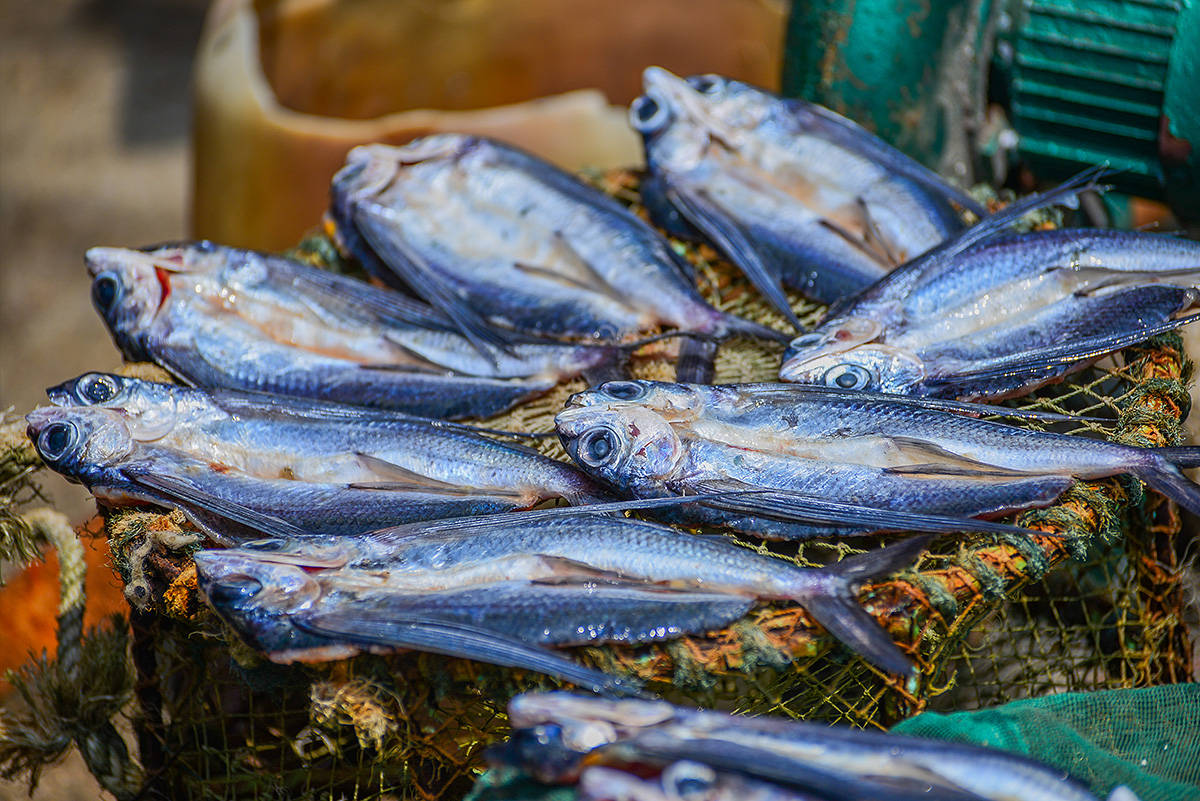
[1147, 739]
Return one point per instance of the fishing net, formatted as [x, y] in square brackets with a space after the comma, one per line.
[988, 619]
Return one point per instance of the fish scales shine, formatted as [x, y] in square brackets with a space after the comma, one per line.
[279, 437]
[93, 446]
[226, 318]
[547, 254]
[650, 438]
[790, 192]
[594, 728]
[1003, 316]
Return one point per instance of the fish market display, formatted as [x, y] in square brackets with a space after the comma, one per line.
[792, 193]
[538, 546]
[546, 254]
[293, 614]
[558, 735]
[1002, 314]
[275, 437]
[93, 446]
[221, 317]
[880, 453]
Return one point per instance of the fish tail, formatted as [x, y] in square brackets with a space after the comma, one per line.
[1162, 475]
[838, 609]
[1182, 456]
[732, 325]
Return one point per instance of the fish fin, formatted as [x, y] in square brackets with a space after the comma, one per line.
[854, 137]
[795, 507]
[945, 461]
[998, 223]
[189, 494]
[939, 469]
[729, 237]
[371, 219]
[1165, 477]
[1111, 277]
[389, 308]
[457, 640]
[696, 363]
[1060, 357]
[1183, 456]
[389, 472]
[876, 235]
[841, 614]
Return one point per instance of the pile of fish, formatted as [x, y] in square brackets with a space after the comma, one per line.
[309, 437]
[631, 750]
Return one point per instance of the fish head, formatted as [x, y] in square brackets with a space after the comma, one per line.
[83, 444]
[128, 291]
[679, 119]
[148, 407]
[675, 402]
[256, 598]
[627, 446]
[873, 367]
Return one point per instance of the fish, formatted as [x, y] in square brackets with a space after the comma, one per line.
[1003, 313]
[93, 446]
[442, 554]
[547, 255]
[829, 761]
[274, 437]
[680, 781]
[292, 616]
[220, 317]
[845, 461]
[792, 193]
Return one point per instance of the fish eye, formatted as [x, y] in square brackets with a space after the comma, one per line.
[848, 376]
[623, 390]
[706, 84]
[807, 340]
[597, 446]
[55, 440]
[233, 589]
[105, 290]
[97, 388]
[647, 114]
[688, 781]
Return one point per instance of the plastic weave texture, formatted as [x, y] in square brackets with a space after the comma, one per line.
[987, 619]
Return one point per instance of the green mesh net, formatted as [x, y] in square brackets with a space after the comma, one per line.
[1147, 739]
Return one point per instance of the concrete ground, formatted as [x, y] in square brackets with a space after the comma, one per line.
[94, 114]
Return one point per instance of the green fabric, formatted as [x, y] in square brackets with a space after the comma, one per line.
[1147, 740]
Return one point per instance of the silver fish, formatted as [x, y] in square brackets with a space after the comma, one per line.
[545, 255]
[93, 446]
[294, 617]
[220, 317]
[789, 191]
[278, 437]
[1004, 314]
[880, 453]
[831, 761]
[680, 781]
[443, 554]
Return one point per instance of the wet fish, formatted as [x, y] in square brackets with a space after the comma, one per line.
[1003, 314]
[882, 454]
[789, 191]
[444, 554]
[546, 254]
[224, 318]
[93, 446]
[830, 761]
[275, 437]
[293, 616]
[680, 781]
